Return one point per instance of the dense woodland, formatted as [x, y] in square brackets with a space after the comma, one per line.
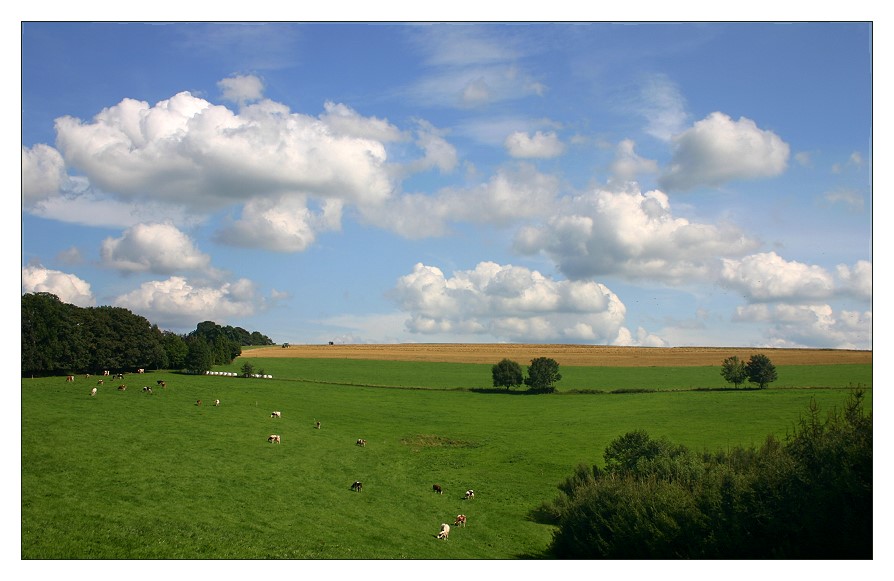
[60, 338]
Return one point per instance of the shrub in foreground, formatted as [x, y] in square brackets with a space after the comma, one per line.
[809, 497]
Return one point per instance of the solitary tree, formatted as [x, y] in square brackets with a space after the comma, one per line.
[507, 373]
[733, 370]
[247, 369]
[543, 373]
[760, 370]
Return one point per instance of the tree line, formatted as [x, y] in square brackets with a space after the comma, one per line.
[60, 338]
[808, 497]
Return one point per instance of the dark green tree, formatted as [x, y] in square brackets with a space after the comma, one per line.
[52, 340]
[543, 374]
[507, 373]
[247, 369]
[175, 349]
[199, 357]
[760, 370]
[733, 371]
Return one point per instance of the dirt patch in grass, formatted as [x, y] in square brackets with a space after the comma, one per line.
[572, 355]
[421, 441]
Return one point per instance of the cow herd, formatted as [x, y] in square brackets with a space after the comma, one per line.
[356, 486]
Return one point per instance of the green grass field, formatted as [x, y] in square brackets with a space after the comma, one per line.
[128, 475]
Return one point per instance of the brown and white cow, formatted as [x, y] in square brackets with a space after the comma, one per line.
[122, 387]
[470, 494]
[357, 486]
[437, 488]
[361, 442]
[70, 378]
[217, 403]
[93, 391]
[460, 520]
[274, 439]
[141, 371]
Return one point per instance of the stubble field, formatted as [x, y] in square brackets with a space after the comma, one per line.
[565, 355]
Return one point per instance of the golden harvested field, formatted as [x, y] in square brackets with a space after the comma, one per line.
[571, 355]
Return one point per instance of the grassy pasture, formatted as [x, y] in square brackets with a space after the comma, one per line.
[127, 475]
[478, 375]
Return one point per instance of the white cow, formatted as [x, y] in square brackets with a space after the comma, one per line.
[445, 531]
[93, 391]
[470, 494]
[274, 439]
[217, 403]
[276, 415]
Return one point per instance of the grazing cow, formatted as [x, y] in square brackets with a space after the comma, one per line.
[460, 520]
[147, 389]
[217, 403]
[86, 376]
[122, 387]
[70, 378]
[160, 382]
[361, 442]
[119, 376]
[276, 414]
[437, 488]
[470, 494]
[198, 402]
[100, 382]
[274, 439]
[317, 425]
[93, 391]
[357, 486]
[445, 531]
[141, 371]
[106, 372]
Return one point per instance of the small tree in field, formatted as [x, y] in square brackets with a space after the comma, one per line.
[760, 370]
[733, 370]
[247, 369]
[543, 373]
[507, 373]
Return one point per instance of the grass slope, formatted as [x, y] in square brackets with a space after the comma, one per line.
[127, 475]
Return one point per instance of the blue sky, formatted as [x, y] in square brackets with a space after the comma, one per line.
[658, 184]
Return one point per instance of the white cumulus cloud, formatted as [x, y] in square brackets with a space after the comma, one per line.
[509, 302]
[68, 287]
[539, 145]
[811, 325]
[176, 303]
[43, 173]
[717, 149]
[241, 89]
[185, 150]
[768, 277]
[631, 234]
[157, 248]
[285, 225]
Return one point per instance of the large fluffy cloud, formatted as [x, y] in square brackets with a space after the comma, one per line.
[43, 173]
[768, 277]
[157, 248]
[509, 302]
[286, 225]
[717, 150]
[811, 325]
[187, 150]
[68, 287]
[631, 234]
[176, 303]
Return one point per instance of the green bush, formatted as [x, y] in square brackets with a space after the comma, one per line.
[809, 497]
